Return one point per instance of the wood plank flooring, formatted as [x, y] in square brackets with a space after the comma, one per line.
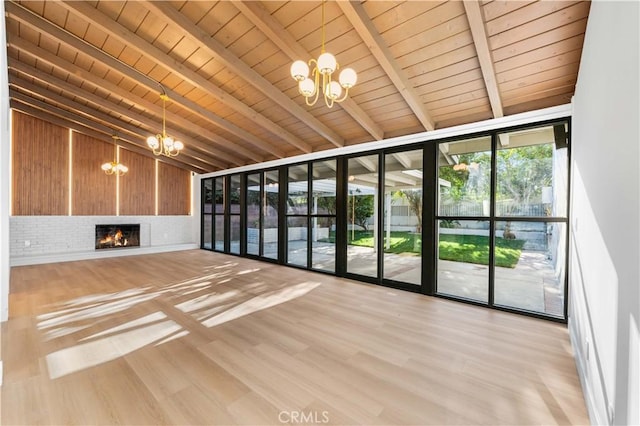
[196, 337]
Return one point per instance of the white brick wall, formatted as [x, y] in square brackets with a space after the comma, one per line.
[41, 236]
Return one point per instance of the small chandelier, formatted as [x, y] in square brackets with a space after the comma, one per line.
[325, 65]
[161, 144]
[114, 167]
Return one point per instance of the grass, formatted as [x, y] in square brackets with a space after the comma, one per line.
[475, 249]
[458, 248]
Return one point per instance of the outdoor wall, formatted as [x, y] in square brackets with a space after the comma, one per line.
[44, 239]
[604, 314]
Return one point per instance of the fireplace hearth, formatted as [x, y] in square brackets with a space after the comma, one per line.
[117, 236]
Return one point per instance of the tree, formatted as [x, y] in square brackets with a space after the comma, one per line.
[523, 172]
[469, 182]
[360, 208]
[414, 199]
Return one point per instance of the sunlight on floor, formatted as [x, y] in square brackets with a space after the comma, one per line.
[85, 355]
[261, 302]
[85, 314]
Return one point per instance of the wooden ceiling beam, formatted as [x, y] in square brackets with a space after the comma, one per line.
[270, 27]
[39, 24]
[44, 112]
[235, 64]
[133, 41]
[90, 115]
[481, 42]
[101, 102]
[355, 13]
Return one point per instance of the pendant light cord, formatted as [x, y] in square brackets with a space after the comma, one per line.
[322, 50]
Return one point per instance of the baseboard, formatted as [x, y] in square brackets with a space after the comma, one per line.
[595, 416]
[101, 254]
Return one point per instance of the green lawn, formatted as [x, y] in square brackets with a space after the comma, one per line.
[459, 248]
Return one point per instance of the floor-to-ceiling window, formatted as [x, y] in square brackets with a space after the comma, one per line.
[362, 215]
[234, 213]
[206, 237]
[297, 215]
[481, 218]
[323, 215]
[531, 211]
[402, 217]
[464, 196]
[254, 213]
[219, 212]
[270, 205]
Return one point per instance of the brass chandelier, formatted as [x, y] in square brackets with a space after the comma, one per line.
[115, 167]
[161, 144]
[324, 66]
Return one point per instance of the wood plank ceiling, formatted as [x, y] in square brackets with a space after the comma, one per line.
[99, 67]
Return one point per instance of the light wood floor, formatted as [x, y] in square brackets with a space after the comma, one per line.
[197, 337]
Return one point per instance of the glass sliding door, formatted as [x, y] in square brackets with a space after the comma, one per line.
[253, 213]
[402, 220]
[219, 207]
[207, 214]
[494, 229]
[463, 210]
[297, 215]
[270, 202]
[323, 215]
[531, 205]
[234, 214]
[362, 215]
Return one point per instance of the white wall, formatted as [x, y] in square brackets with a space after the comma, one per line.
[5, 181]
[604, 299]
[60, 238]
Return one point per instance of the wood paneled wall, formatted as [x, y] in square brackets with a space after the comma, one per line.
[94, 192]
[173, 190]
[40, 176]
[40, 167]
[137, 187]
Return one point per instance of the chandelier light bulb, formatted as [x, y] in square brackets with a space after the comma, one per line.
[153, 143]
[177, 145]
[333, 90]
[327, 63]
[299, 70]
[348, 78]
[114, 167]
[307, 87]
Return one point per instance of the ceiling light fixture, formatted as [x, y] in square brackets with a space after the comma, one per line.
[161, 144]
[325, 65]
[114, 167]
